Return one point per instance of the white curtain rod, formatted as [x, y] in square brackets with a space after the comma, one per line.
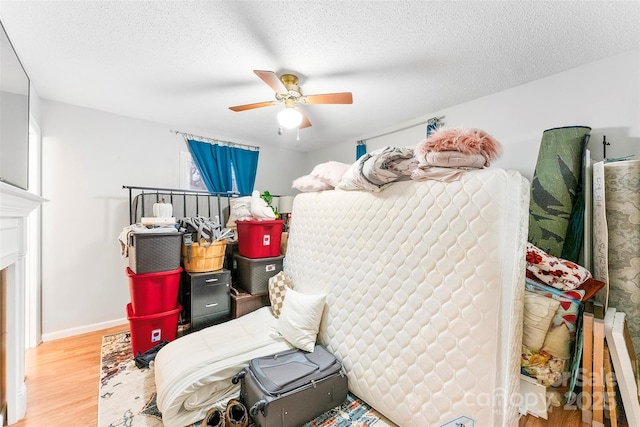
[425, 122]
[205, 139]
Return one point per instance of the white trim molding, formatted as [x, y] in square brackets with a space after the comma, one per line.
[15, 206]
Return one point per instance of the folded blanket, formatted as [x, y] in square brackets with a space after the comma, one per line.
[437, 174]
[452, 159]
[194, 372]
[375, 170]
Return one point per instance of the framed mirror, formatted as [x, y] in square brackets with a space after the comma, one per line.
[14, 116]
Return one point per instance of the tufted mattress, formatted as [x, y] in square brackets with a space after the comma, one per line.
[424, 284]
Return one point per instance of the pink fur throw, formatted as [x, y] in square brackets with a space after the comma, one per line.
[468, 141]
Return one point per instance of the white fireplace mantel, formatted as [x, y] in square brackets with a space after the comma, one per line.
[15, 206]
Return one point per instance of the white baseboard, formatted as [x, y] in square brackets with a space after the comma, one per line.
[18, 409]
[83, 329]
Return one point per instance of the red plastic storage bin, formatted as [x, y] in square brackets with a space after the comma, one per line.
[153, 293]
[148, 331]
[259, 239]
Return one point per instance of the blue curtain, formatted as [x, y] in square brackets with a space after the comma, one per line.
[214, 162]
[361, 149]
[245, 164]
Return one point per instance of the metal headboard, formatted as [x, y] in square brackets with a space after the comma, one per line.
[186, 203]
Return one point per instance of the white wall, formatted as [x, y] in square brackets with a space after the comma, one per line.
[88, 156]
[603, 95]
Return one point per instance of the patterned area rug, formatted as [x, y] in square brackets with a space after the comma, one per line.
[127, 395]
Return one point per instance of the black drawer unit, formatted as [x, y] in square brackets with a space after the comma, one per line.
[205, 298]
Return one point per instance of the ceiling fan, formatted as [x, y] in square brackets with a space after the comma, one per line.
[290, 94]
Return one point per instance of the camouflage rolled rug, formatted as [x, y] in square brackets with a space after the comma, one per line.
[554, 210]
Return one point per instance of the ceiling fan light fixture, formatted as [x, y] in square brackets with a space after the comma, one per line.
[289, 118]
[288, 92]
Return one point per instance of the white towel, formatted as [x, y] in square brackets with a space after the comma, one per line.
[259, 208]
[123, 237]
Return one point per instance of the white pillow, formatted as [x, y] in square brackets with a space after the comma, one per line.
[299, 319]
[330, 172]
[308, 183]
[538, 314]
[558, 342]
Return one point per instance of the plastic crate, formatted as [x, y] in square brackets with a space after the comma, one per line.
[153, 293]
[148, 331]
[254, 274]
[153, 252]
[259, 239]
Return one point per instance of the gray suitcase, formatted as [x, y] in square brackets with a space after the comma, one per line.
[290, 388]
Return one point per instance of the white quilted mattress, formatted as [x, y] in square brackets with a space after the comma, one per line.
[424, 285]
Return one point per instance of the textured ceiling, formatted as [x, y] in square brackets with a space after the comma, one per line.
[183, 63]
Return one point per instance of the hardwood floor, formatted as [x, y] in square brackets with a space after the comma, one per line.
[557, 418]
[62, 385]
[62, 381]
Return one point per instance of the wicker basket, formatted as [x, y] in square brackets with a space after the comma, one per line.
[197, 258]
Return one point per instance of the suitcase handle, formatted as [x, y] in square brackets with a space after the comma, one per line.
[237, 377]
[258, 406]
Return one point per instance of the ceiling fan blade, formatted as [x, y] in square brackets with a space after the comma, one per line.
[305, 120]
[328, 98]
[270, 78]
[252, 106]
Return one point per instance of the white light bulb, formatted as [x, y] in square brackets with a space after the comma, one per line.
[289, 118]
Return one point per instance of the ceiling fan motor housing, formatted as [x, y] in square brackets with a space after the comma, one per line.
[294, 92]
